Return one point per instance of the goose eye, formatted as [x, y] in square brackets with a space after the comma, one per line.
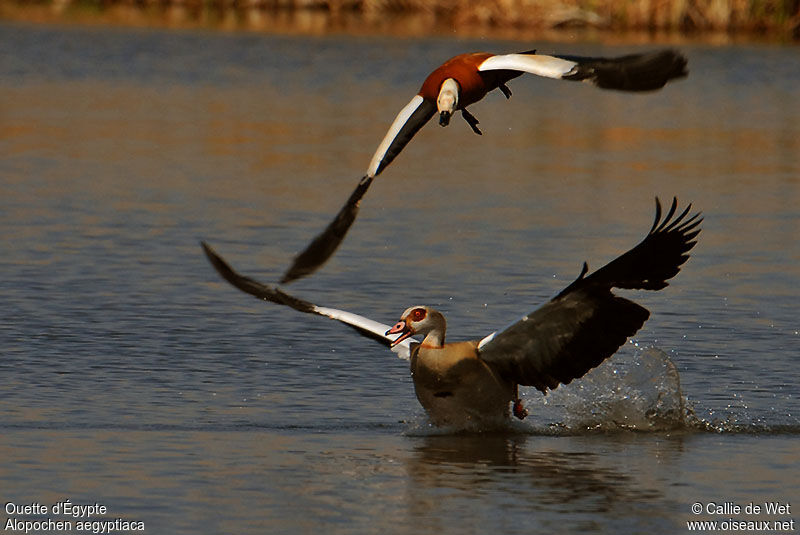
[418, 314]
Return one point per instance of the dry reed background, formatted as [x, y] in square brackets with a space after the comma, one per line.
[680, 15]
[779, 19]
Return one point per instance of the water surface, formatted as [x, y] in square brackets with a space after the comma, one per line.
[132, 376]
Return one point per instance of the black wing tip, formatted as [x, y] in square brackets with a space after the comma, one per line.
[211, 254]
[295, 272]
[669, 57]
[275, 295]
[221, 266]
[648, 71]
[660, 67]
[677, 233]
[253, 287]
[208, 250]
[328, 241]
[679, 61]
[655, 260]
[678, 224]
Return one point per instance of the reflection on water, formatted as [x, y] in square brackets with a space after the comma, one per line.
[261, 480]
[132, 376]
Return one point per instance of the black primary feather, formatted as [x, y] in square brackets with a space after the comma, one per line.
[274, 295]
[655, 260]
[586, 323]
[635, 72]
[253, 287]
[325, 244]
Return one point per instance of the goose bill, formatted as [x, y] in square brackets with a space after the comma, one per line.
[402, 329]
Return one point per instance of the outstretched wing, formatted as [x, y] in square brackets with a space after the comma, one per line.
[325, 244]
[586, 323]
[364, 326]
[635, 72]
[407, 123]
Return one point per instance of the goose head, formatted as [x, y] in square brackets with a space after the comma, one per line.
[421, 320]
[447, 102]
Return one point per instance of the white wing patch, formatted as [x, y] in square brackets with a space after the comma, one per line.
[403, 349]
[398, 123]
[548, 66]
[485, 340]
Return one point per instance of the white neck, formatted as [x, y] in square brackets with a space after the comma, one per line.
[448, 96]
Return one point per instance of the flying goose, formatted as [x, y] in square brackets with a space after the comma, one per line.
[473, 383]
[466, 79]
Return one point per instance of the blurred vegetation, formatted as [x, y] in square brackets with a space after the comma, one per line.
[774, 18]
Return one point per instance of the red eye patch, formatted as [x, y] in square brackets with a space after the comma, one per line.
[418, 314]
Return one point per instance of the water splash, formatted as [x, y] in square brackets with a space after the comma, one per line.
[639, 390]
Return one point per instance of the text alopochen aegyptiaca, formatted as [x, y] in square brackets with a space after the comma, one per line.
[464, 80]
[474, 384]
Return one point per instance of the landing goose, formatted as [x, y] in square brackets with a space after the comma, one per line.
[474, 383]
[466, 79]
